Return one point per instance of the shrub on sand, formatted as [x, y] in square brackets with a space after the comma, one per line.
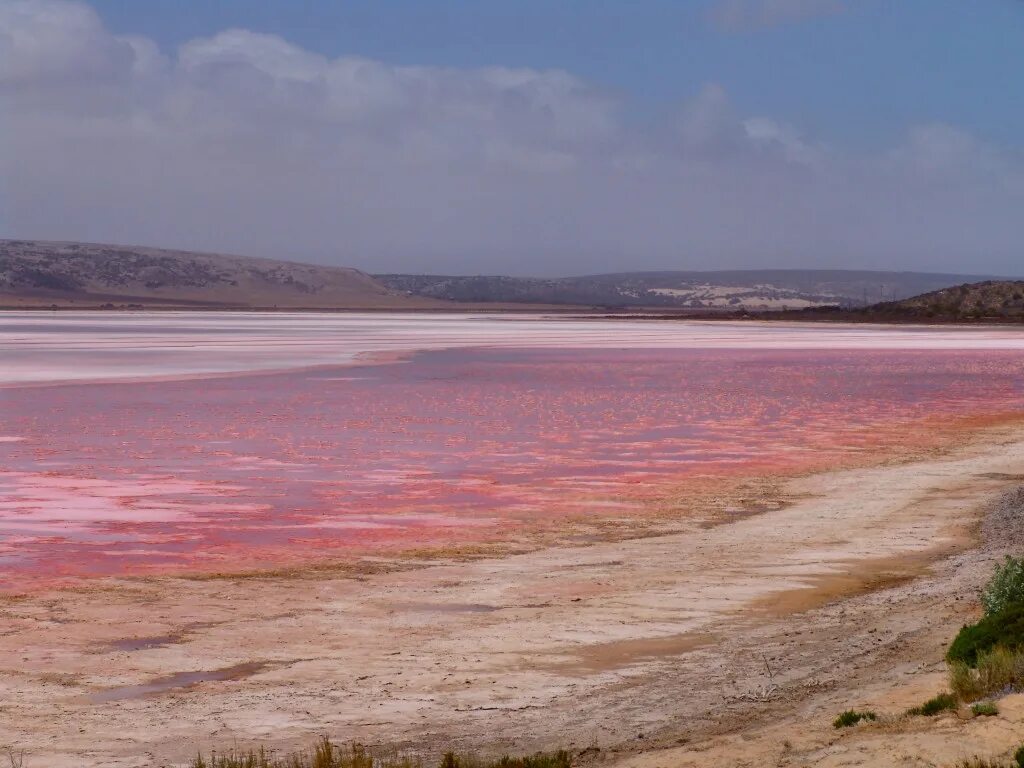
[851, 717]
[999, 670]
[935, 705]
[1004, 628]
[1006, 587]
[984, 709]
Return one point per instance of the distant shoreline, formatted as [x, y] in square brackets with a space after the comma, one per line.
[804, 316]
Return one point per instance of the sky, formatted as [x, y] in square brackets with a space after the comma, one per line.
[529, 137]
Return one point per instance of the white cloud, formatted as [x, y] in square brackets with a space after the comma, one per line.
[755, 14]
[245, 142]
[56, 41]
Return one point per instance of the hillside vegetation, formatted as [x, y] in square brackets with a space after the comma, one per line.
[86, 275]
[35, 273]
[991, 299]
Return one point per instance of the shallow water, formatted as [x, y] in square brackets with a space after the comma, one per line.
[555, 421]
[179, 680]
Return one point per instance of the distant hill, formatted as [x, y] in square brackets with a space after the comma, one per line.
[80, 275]
[1001, 300]
[754, 290]
[35, 273]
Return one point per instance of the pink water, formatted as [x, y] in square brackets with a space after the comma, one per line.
[451, 447]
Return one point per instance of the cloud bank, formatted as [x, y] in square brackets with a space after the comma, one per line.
[244, 142]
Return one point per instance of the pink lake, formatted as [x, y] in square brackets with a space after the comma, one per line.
[451, 446]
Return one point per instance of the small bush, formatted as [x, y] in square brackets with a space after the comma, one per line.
[984, 709]
[1005, 628]
[978, 762]
[851, 717]
[934, 705]
[1005, 588]
[1018, 757]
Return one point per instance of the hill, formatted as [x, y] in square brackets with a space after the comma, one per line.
[990, 300]
[36, 273]
[82, 275]
[710, 291]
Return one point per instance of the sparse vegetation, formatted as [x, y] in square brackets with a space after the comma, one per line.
[941, 703]
[987, 657]
[1006, 587]
[326, 754]
[979, 762]
[851, 717]
[1000, 670]
[1004, 628]
[984, 709]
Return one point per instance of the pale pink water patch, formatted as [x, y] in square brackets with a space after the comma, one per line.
[451, 447]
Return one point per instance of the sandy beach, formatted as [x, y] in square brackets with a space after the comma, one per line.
[722, 637]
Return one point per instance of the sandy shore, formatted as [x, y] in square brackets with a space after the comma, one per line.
[739, 636]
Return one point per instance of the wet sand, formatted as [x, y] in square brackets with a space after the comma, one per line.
[717, 633]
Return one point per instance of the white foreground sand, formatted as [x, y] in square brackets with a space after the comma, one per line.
[729, 640]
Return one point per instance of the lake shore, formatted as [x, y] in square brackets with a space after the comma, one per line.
[848, 591]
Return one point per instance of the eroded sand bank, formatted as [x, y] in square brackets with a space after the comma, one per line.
[847, 592]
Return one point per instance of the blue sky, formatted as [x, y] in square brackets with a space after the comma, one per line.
[862, 75]
[522, 137]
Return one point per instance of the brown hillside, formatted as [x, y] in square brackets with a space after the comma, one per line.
[36, 273]
[992, 299]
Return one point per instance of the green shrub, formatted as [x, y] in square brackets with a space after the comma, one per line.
[984, 709]
[1005, 588]
[1018, 756]
[852, 717]
[935, 705]
[1005, 628]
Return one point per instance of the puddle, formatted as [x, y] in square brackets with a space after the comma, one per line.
[144, 643]
[179, 680]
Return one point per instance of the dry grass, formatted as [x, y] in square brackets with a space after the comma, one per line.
[997, 671]
[325, 754]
